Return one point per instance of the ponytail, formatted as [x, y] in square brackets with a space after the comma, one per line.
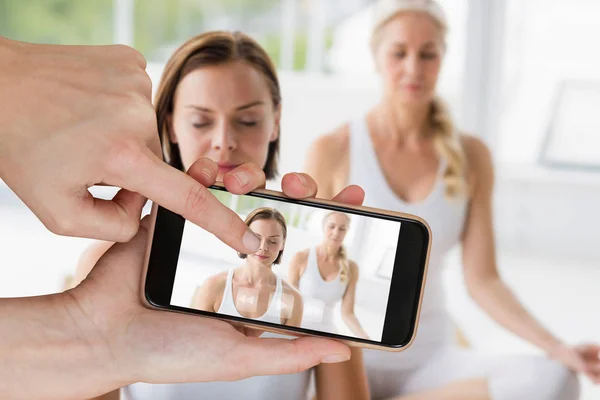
[448, 146]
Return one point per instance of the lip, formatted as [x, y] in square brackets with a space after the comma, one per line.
[260, 257]
[413, 87]
[226, 167]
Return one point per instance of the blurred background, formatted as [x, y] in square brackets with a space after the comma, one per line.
[521, 74]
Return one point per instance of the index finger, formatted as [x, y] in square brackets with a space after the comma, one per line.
[183, 195]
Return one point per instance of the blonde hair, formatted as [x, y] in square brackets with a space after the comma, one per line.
[445, 135]
[345, 274]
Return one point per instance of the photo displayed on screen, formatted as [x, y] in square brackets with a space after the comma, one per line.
[315, 269]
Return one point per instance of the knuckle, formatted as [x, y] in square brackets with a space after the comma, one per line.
[137, 117]
[59, 224]
[196, 199]
[125, 155]
[130, 54]
[129, 228]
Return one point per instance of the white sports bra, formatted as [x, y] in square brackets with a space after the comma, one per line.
[273, 313]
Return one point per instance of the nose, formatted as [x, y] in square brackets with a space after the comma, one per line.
[263, 245]
[223, 138]
[413, 65]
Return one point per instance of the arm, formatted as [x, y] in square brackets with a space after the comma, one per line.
[114, 395]
[327, 163]
[348, 304]
[297, 308]
[297, 268]
[205, 295]
[346, 380]
[479, 257]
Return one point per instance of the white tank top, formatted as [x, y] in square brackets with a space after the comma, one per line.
[446, 219]
[320, 296]
[273, 313]
[292, 386]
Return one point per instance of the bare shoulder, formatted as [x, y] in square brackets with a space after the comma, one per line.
[216, 283]
[300, 257]
[479, 159]
[337, 140]
[328, 161]
[476, 151]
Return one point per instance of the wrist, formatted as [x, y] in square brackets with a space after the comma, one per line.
[51, 350]
[552, 345]
[95, 341]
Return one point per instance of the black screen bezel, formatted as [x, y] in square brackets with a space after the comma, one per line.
[405, 286]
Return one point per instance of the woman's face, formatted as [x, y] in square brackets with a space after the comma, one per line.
[270, 233]
[336, 227]
[226, 113]
[409, 56]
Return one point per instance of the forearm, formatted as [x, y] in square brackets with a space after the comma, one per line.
[502, 305]
[50, 350]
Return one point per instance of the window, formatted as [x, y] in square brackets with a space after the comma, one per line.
[573, 137]
[549, 44]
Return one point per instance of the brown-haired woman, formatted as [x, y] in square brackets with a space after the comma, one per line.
[408, 157]
[218, 108]
[325, 276]
[253, 290]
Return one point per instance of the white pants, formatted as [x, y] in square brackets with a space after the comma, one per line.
[435, 360]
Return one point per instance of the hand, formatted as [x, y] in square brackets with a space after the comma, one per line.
[584, 359]
[141, 344]
[77, 116]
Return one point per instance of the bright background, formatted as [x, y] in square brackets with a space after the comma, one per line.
[524, 75]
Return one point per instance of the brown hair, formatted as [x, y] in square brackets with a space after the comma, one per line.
[445, 135]
[268, 214]
[209, 49]
[342, 253]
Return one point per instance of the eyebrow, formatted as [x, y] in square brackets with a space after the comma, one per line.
[401, 44]
[240, 108]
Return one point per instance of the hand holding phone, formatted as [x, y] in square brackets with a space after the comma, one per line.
[161, 347]
[305, 273]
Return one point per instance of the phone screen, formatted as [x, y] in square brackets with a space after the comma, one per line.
[316, 269]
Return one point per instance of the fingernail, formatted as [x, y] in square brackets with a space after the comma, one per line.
[250, 240]
[334, 358]
[205, 172]
[242, 177]
[302, 180]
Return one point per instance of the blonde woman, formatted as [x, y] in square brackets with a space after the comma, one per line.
[273, 299]
[218, 108]
[325, 275]
[409, 157]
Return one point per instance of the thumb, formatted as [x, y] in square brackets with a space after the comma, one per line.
[114, 220]
[266, 356]
[183, 195]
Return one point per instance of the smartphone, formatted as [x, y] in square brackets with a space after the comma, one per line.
[350, 273]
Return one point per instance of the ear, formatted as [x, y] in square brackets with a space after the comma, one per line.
[170, 130]
[277, 127]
